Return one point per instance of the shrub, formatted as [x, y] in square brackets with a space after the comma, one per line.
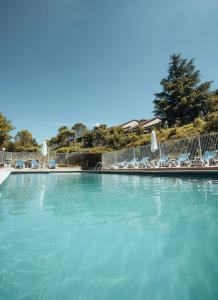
[212, 121]
[62, 150]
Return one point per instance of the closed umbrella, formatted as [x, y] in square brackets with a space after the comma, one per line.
[44, 148]
[154, 146]
[44, 152]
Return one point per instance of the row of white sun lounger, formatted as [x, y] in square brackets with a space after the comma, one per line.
[209, 158]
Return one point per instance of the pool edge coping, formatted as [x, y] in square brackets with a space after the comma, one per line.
[156, 172]
[4, 175]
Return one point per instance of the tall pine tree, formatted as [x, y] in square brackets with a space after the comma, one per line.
[181, 100]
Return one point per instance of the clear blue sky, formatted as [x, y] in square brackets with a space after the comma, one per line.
[66, 61]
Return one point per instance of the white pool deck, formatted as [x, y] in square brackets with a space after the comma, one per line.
[5, 172]
[47, 170]
[210, 170]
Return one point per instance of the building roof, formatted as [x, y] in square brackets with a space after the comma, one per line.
[144, 123]
[129, 122]
[150, 122]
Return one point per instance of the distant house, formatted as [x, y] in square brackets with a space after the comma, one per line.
[130, 125]
[148, 125]
[152, 123]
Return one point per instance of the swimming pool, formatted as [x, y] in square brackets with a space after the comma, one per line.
[112, 237]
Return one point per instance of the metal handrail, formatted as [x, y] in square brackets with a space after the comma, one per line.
[97, 167]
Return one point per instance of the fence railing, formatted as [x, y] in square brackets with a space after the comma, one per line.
[86, 160]
[196, 146]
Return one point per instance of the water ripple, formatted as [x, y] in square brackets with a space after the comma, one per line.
[85, 236]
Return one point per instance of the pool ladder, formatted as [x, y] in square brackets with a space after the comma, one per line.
[98, 167]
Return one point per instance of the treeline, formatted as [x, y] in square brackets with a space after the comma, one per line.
[186, 105]
[99, 139]
[23, 140]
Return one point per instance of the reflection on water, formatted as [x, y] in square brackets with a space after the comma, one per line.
[108, 237]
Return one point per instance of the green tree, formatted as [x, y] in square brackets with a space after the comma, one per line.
[62, 129]
[96, 137]
[118, 138]
[99, 135]
[79, 129]
[25, 138]
[212, 121]
[24, 141]
[181, 100]
[5, 128]
[11, 146]
[87, 139]
[63, 139]
[66, 137]
[213, 102]
[212, 117]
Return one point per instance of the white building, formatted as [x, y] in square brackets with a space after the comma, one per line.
[130, 125]
[150, 124]
[146, 124]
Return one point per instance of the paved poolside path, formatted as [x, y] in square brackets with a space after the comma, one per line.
[158, 171]
[46, 170]
[4, 173]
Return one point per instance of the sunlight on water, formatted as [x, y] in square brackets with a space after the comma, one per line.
[108, 237]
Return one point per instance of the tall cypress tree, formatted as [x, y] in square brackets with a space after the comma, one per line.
[181, 100]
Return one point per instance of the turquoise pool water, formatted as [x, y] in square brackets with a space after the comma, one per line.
[108, 237]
